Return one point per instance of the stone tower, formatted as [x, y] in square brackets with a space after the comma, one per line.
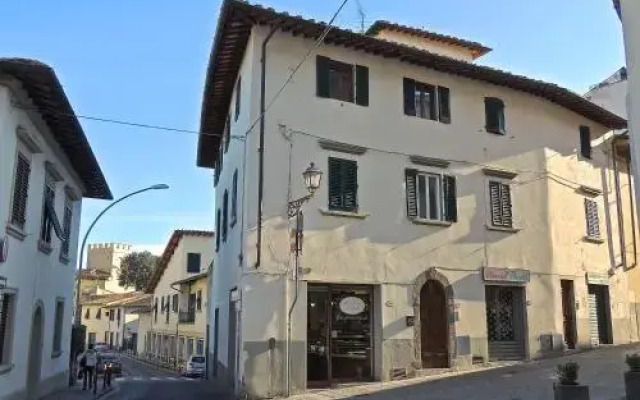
[106, 257]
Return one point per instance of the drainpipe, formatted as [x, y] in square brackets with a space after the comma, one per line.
[616, 175]
[296, 278]
[263, 85]
[633, 214]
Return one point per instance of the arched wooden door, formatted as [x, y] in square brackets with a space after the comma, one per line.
[434, 326]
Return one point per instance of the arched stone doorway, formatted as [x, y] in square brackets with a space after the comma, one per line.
[434, 333]
[35, 352]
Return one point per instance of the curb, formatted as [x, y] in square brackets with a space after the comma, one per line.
[113, 390]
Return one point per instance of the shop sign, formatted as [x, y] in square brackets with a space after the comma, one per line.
[597, 279]
[506, 275]
[352, 305]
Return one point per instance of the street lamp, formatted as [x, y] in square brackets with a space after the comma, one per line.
[312, 177]
[160, 186]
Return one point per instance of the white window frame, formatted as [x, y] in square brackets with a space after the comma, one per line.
[510, 184]
[440, 196]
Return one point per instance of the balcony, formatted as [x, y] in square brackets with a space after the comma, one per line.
[187, 317]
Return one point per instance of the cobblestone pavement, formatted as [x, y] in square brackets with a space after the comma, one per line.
[602, 369]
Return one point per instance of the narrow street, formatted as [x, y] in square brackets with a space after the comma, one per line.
[143, 381]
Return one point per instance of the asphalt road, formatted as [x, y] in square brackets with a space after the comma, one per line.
[141, 381]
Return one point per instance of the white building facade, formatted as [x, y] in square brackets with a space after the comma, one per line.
[453, 193]
[46, 168]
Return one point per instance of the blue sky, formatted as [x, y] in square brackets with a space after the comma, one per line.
[145, 60]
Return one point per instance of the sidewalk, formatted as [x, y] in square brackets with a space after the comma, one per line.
[76, 393]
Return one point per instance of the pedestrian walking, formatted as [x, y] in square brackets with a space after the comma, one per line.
[88, 362]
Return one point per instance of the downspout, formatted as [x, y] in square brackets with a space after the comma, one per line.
[616, 177]
[633, 214]
[296, 277]
[263, 84]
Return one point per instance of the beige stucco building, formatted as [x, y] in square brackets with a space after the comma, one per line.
[103, 268]
[108, 320]
[466, 214]
[175, 325]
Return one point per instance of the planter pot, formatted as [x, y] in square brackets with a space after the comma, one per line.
[570, 392]
[632, 385]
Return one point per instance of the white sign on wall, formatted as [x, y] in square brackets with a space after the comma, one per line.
[352, 305]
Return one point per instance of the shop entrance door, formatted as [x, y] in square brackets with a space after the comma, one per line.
[339, 325]
[434, 326]
[599, 319]
[505, 322]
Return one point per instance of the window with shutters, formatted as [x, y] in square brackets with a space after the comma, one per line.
[234, 198]
[217, 232]
[87, 313]
[193, 263]
[227, 133]
[426, 101]
[99, 313]
[342, 81]
[58, 324]
[20, 191]
[199, 300]
[592, 219]
[494, 115]
[66, 228]
[49, 223]
[175, 303]
[500, 204]
[200, 347]
[119, 316]
[343, 185]
[7, 316]
[225, 213]
[112, 315]
[431, 196]
[585, 142]
[155, 310]
[238, 99]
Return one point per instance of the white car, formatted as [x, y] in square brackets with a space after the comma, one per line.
[195, 366]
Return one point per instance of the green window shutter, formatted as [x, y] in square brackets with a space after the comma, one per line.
[227, 133]
[234, 198]
[238, 100]
[335, 184]
[20, 191]
[585, 141]
[505, 200]
[450, 198]
[430, 90]
[494, 203]
[323, 66]
[410, 189]
[225, 214]
[350, 185]
[444, 108]
[362, 85]
[409, 87]
[217, 233]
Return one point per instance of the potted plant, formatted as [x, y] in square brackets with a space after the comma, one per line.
[567, 387]
[632, 376]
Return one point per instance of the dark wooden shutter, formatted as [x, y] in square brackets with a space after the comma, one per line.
[444, 109]
[66, 223]
[450, 198]
[193, 263]
[238, 99]
[410, 189]
[323, 66]
[350, 185]
[585, 141]
[4, 324]
[409, 86]
[225, 215]
[335, 184]
[505, 200]
[227, 133]
[217, 232]
[592, 218]
[430, 90]
[362, 85]
[234, 198]
[494, 203]
[20, 191]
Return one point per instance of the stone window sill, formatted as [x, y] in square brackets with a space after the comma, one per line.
[592, 239]
[44, 247]
[5, 368]
[422, 221]
[347, 214]
[56, 354]
[16, 232]
[502, 228]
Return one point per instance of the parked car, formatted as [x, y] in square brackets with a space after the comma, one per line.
[195, 366]
[109, 360]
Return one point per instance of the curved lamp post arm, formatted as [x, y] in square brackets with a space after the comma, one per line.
[86, 236]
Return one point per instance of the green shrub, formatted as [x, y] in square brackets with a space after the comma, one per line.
[567, 373]
[633, 361]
